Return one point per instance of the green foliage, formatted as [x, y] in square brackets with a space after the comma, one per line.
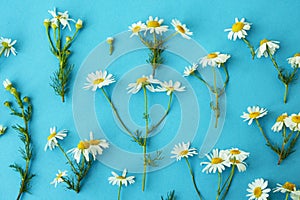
[170, 196]
[152, 161]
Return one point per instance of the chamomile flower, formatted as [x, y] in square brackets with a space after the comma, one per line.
[154, 25]
[60, 17]
[295, 60]
[241, 166]
[181, 29]
[7, 84]
[97, 146]
[266, 45]
[136, 28]
[53, 137]
[293, 122]
[59, 178]
[295, 195]
[169, 87]
[214, 59]
[82, 148]
[254, 112]
[144, 81]
[121, 180]
[98, 79]
[190, 69]
[258, 190]
[237, 154]
[7, 46]
[183, 150]
[2, 129]
[279, 123]
[238, 30]
[286, 187]
[218, 160]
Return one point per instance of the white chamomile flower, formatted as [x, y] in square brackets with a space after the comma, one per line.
[144, 81]
[81, 149]
[241, 166]
[258, 190]
[169, 87]
[136, 28]
[218, 160]
[96, 146]
[154, 25]
[7, 84]
[121, 180]
[295, 195]
[98, 79]
[181, 29]
[279, 123]
[7, 46]
[190, 69]
[238, 30]
[60, 17]
[287, 187]
[183, 150]
[254, 112]
[2, 129]
[52, 138]
[237, 154]
[59, 178]
[266, 45]
[295, 60]
[214, 59]
[293, 122]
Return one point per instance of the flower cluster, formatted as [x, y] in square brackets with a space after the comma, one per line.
[7, 47]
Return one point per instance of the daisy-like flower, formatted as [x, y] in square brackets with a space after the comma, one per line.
[279, 123]
[258, 190]
[241, 166]
[154, 25]
[293, 122]
[214, 59]
[266, 45]
[169, 87]
[98, 79]
[238, 30]
[183, 151]
[59, 178]
[218, 160]
[146, 81]
[237, 154]
[52, 138]
[190, 69]
[60, 17]
[83, 148]
[295, 60]
[96, 146]
[121, 180]
[7, 84]
[295, 195]
[2, 129]
[254, 112]
[136, 28]
[7, 46]
[287, 187]
[181, 29]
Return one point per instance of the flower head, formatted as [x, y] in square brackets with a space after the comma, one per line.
[238, 30]
[109, 40]
[83, 148]
[154, 25]
[121, 180]
[218, 160]
[265, 47]
[181, 29]
[254, 112]
[295, 60]
[62, 18]
[144, 81]
[2, 129]
[183, 150]
[78, 24]
[258, 190]
[214, 59]
[237, 154]
[293, 122]
[96, 146]
[98, 79]
[190, 69]
[59, 178]
[7, 84]
[169, 87]
[279, 123]
[136, 28]
[7, 46]
[286, 187]
[52, 138]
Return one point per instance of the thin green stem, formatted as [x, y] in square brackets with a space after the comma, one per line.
[216, 92]
[285, 92]
[226, 79]
[283, 145]
[143, 41]
[229, 183]
[167, 39]
[193, 178]
[68, 159]
[264, 134]
[2, 52]
[50, 41]
[250, 47]
[119, 191]
[146, 136]
[287, 196]
[219, 186]
[203, 81]
[275, 64]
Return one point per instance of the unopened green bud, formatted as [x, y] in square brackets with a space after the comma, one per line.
[26, 99]
[7, 104]
[47, 23]
[78, 24]
[68, 39]
[54, 25]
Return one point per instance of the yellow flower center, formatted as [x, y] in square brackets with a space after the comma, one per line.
[136, 29]
[5, 44]
[180, 29]
[153, 24]
[281, 118]
[59, 175]
[234, 161]
[98, 81]
[257, 192]
[254, 115]
[184, 152]
[237, 26]
[121, 177]
[235, 151]
[216, 160]
[296, 119]
[141, 80]
[212, 55]
[94, 142]
[52, 135]
[297, 54]
[263, 41]
[82, 145]
[289, 186]
[170, 89]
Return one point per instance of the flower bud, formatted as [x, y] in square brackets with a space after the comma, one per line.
[26, 99]
[68, 39]
[110, 40]
[7, 104]
[78, 24]
[47, 23]
[7, 84]
[2, 130]
[54, 25]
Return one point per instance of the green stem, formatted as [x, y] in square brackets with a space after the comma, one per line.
[203, 81]
[285, 92]
[2, 52]
[282, 146]
[167, 39]
[264, 134]
[229, 183]
[119, 191]
[68, 159]
[287, 196]
[250, 47]
[146, 136]
[226, 79]
[50, 41]
[193, 178]
[219, 186]
[216, 107]
[144, 42]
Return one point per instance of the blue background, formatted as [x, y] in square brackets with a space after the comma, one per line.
[251, 83]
